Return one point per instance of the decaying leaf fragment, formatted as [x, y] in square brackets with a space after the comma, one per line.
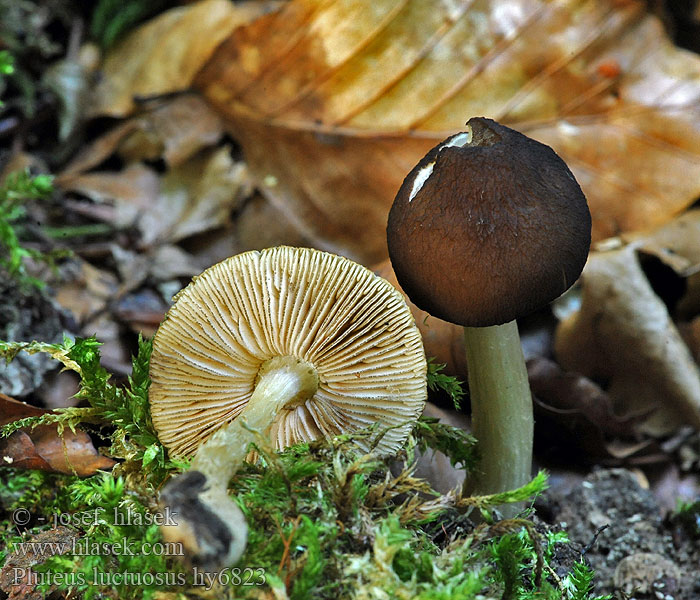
[174, 130]
[677, 245]
[578, 415]
[624, 334]
[192, 197]
[43, 448]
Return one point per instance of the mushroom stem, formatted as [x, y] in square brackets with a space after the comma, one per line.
[282, 381]
[502, 419]
[210, 525]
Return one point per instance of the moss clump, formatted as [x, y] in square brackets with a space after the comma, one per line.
[325, 519]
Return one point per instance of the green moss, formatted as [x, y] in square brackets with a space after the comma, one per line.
[326, 520]
[16, 190]
[123, 410]
[687, 515]
[452, 386]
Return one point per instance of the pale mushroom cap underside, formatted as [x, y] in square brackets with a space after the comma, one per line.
[351, 325]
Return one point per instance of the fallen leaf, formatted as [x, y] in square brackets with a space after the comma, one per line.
[578, 417]
[334, 102]
[133, 267]
[191, 197]
[259, 225]
[196, 196]
[691, 335]
[174, 129]
[43, 448]
[58, 390]
[130, 191]
[624, 334]
[165, 54]
[69, 80]
[571, 395]
[677, 245]
[169, 262]
[644, 452]
[85, 290]
[115, 351]
[97, 151]
[671, 486]
[159, 264]
[143, 310]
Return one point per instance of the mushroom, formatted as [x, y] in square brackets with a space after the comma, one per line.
[290, 343]
[489, 226]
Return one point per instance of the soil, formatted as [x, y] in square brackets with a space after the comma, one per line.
[635, 551]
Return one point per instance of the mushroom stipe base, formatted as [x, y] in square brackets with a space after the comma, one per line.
[211, 526]
[502, 419]
[282, 382]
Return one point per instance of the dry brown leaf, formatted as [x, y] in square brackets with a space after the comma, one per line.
[189, 198]
[173, 130]
[42, 447]
[196, 196]
[97, 151]
[88, 292]
[334, 102]
[260, 225]
[114, 349]
[58, 390]
[131, 191]
[166, 53]
[623, 333]
[577, 416]
[85, 289]
[162, 263]
[572, 398]
[677, 244]
[143, 310]
[691, 335]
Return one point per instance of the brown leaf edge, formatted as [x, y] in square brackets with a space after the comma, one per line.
[43, 448]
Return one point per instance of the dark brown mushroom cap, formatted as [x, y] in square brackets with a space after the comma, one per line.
[489, 226]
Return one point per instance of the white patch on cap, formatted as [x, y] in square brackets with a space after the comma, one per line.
[456, 141]
[459, 141]
[421, 178]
